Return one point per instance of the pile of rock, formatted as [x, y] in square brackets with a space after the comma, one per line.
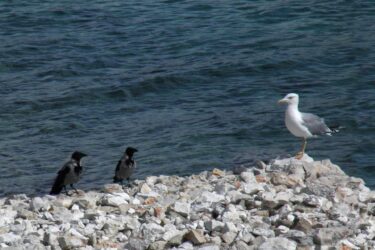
[287, 204]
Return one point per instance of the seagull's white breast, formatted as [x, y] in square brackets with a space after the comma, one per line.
[293, 121]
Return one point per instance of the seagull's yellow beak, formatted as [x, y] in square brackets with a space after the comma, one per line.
[282, 101]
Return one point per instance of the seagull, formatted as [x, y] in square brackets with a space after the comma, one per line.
[303, 125]
[68, 174]
[125, 166]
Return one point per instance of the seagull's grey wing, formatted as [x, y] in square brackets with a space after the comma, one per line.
[315, 124]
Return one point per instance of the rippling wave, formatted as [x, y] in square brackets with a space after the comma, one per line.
[192, 85]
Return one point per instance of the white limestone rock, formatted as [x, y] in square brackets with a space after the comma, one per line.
[39, 204]
[182, 208]
[214, 225]
[113, 200]
[211, 197]
[278, 243]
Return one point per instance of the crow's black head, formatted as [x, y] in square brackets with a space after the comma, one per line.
[130, 151]
[78, 155]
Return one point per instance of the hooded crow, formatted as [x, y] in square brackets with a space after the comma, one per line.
[125, 166]
[68, 174]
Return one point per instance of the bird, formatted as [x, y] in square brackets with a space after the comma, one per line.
[125, 166]
[69, 174]
[303, 125]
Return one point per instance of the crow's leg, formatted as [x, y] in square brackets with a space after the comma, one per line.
[71, 185]
[66, 191]
[129, 183]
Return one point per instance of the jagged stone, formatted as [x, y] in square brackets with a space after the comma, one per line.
[25, 214]
[39, 204]
[323, 168]
[211, 197]
[208, 247]
[135, 244]
[112, 188]
[269, 200]
[152, 231]
[214, 225]
[183, 208]
[241, 245]
[281, 230]
[218, 172]
[300, 237]
[246, 236]
[229, 237]
[195, 236]
[151, 180]
[113, 200]
[328, 236]
[312, 201]
[346, 244]
[252, 188]
[50, 239]
[283, 197]
[286, 180]
[145, 189]
[10, 238]
[186, 246]
[63, 201]
[268, 233]
[86, 202]
[278, 243]
[173, 237]
[304, 224]
[230, 227]
[248, 177]
[70, 242]
[157, 245]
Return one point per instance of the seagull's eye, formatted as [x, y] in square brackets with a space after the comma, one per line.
[290, 97]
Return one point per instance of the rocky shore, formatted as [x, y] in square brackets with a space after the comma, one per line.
[286, 204]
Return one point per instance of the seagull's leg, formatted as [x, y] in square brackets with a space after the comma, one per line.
[129, 184]
[71, 185]
[304, 145]
[302, 152]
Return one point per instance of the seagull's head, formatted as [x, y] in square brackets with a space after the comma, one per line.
[291, 98]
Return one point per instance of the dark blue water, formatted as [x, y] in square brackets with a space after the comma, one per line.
[192, 84]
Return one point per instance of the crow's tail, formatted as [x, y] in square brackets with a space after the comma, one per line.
[57, 185]
[115, 179]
